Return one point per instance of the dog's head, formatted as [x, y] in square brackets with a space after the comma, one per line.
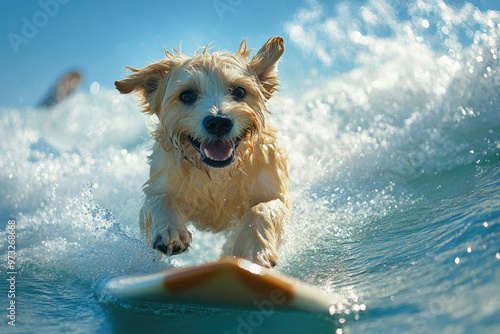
[211, 108]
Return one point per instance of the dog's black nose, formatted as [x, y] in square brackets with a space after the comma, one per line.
[218, 125]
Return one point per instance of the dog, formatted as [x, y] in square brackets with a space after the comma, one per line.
[215, 160]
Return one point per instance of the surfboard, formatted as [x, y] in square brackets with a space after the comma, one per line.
[63, 88]
[225, 283]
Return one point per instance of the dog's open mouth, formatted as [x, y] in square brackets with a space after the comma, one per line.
[219, 153]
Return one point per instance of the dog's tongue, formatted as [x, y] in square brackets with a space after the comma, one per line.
[219, 150]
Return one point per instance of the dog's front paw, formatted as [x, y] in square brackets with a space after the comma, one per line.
[267, 258]
[171, 241]
[264, 256]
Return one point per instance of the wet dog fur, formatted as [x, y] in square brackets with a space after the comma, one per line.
[215, 161]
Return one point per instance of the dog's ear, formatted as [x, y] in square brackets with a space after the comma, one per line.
[265, 63]
[143, 81]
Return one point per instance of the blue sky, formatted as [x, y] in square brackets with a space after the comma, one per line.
[101, 37]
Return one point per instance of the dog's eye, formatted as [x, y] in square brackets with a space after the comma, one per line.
[238, 93]
[188, 96]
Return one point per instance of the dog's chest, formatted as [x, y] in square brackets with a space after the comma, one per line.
[215, 206]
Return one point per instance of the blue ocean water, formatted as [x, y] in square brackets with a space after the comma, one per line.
[395, 184]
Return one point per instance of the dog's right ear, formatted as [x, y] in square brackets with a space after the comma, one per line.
[143, 81]
[264, 63]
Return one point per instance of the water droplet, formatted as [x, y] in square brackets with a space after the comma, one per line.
[94, 88]
[469, 249]
[457, 260]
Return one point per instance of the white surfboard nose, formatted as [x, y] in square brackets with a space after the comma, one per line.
[225, 283]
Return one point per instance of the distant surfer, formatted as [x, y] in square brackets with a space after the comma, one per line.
[64, 88]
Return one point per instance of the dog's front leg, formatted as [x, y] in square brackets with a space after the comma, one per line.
[164, 225]
[259, 235]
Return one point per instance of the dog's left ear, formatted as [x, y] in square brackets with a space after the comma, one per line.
[143, 81]
[265, 63]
